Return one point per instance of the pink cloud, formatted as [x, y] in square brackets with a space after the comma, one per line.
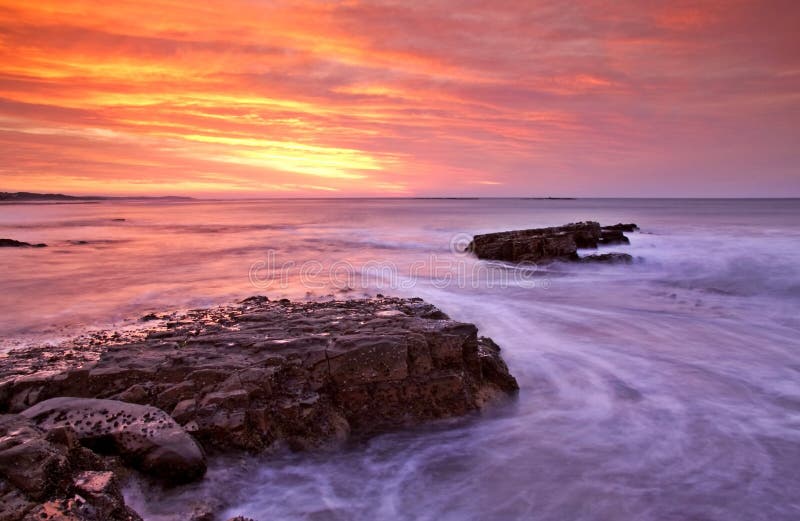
[450, 98]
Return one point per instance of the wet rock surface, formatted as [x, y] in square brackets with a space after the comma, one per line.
[545, 245]
[48, 475]
[145, 437]
[608, 258]
[249, 377]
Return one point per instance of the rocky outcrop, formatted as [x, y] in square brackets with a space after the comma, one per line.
[145, 437]
[48, 475]
[265, 374]
[609, 237]
[253, 376]
[629, 227]
[545, 245]
[11, 243]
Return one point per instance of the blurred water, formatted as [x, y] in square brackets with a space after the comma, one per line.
[665, 390]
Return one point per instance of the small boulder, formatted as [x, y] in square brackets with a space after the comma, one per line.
[145, 437]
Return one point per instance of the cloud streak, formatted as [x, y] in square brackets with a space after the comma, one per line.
[394, 98]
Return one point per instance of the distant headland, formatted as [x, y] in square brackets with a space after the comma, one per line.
[24, 197]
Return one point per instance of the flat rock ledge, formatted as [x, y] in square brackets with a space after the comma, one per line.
[254, 376]
[559, 243]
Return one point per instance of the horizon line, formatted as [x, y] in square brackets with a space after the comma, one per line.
[96, 197]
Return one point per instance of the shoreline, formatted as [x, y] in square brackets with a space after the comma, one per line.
[248, 378]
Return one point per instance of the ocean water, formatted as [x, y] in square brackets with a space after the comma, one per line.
[664, 390]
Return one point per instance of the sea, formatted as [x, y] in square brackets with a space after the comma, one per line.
[668, 389]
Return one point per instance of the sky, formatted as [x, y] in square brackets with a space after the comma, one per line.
[635, 98]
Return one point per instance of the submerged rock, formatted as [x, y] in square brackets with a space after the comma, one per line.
[609, 258]
[264, 374]
[145, 437]
[545, 245]
[11, 243]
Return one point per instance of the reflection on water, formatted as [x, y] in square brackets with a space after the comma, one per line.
[664, 390]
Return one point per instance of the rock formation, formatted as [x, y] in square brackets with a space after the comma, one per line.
[545, 245]
[252, 376]
[48, 475]
[145, 437]
[629, 227]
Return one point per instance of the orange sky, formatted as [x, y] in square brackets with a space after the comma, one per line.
[533, 98]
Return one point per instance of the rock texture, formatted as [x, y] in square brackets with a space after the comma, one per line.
[629, 227]
[609, 258]
[263, 374]
[47, 475]
[252, 376]
[545, 245]
[145, 437]
[11, 243]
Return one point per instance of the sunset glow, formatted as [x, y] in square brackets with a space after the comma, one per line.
[253, 97]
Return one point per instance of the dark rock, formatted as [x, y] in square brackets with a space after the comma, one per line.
[609, 258]
[28, 460]
[256, 299]
[11, 243]
[545, 245]
[45, 475]
[609, 237]
[630, 227]
[148, 317]
[538, 245]
[261, 373]
[118, 220]
[100, 488]
[145, 437]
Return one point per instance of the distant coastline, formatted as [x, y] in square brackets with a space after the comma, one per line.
[32, 197]
[478, 198]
